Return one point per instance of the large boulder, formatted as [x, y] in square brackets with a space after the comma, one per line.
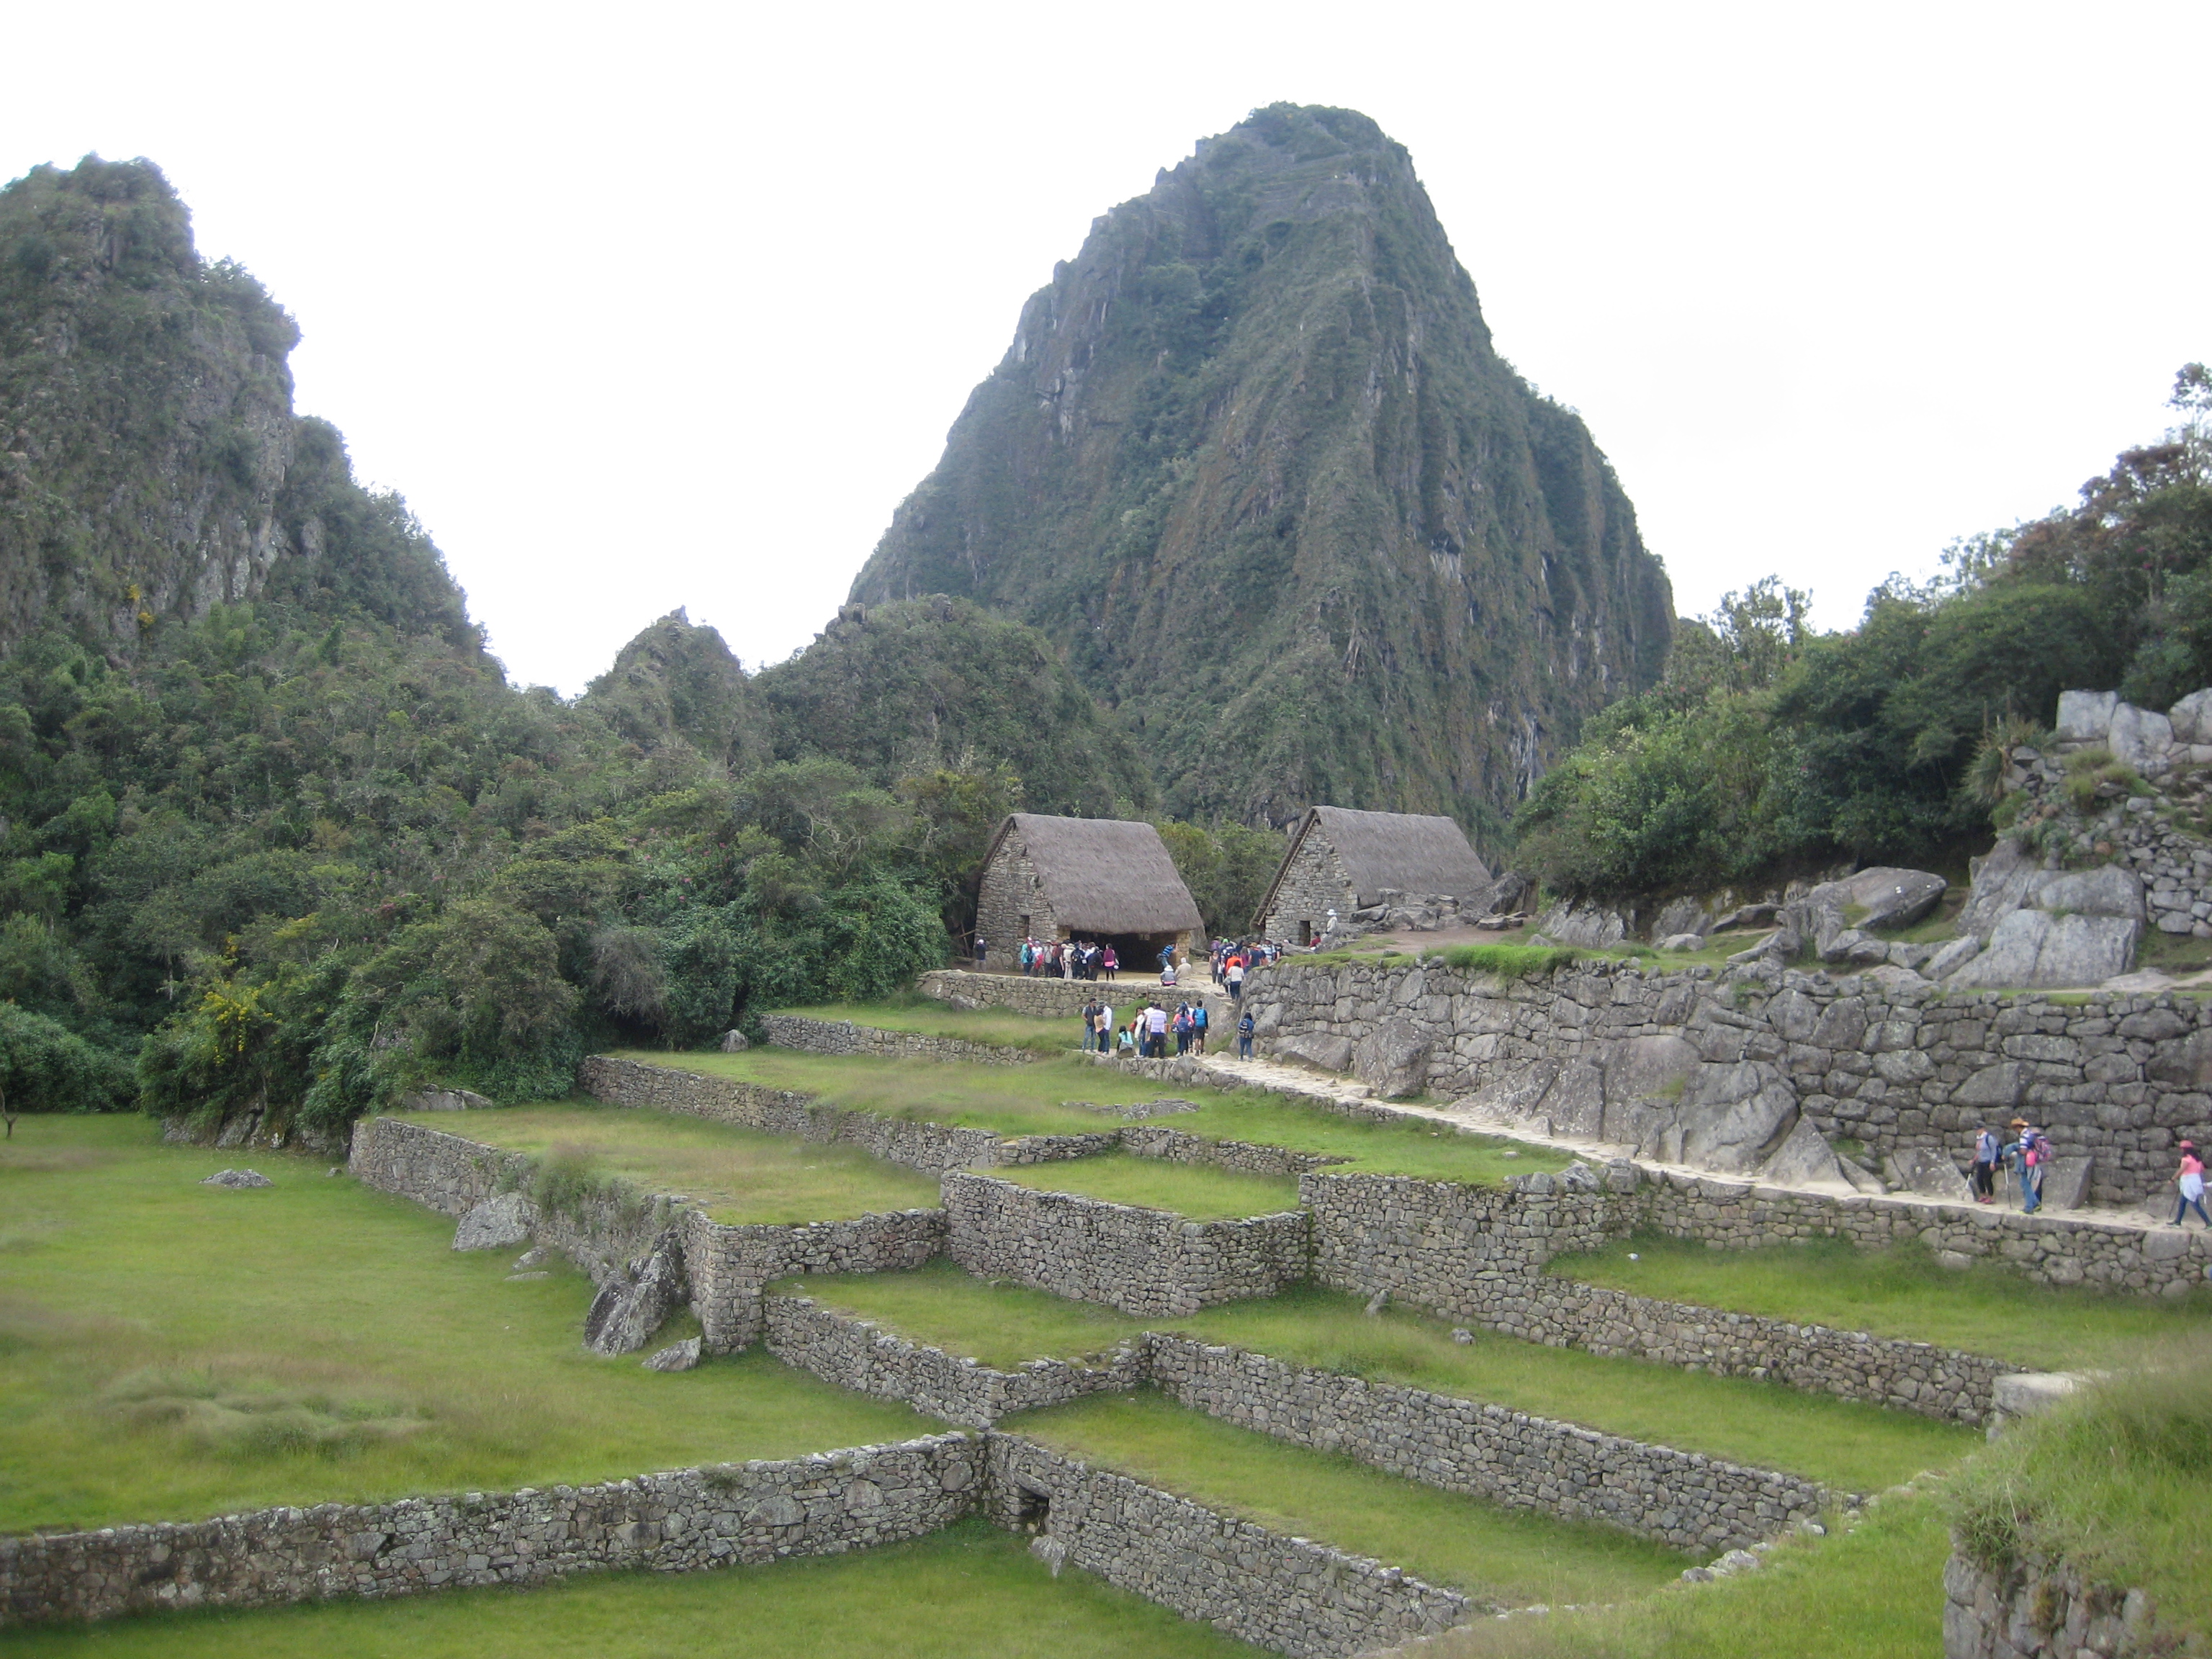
[1331, 1054]
[1734, 1117]
[2191, 720]
[1589, 926]
[1575, 1101]
[497, 1223]
[2035, 950]
[2010, 880]
[238, 1178]
[1852, 948]
[1681, 916]
[2144, 741]
[632, 1305]
[1918, 1170]
[1887, 895]
[444, 1100]
[2085, 717]
[1393, 1059]
[1805, 1160]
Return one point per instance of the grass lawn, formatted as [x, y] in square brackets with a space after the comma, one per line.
[915, 1012]
[736, 1175]
[1197, 1192]
[1851, 1447]
[1512, 1556]
[1019, 1100]
[970, 1589]
[1897, 1292]
[1875, 1592]
[170, 1351]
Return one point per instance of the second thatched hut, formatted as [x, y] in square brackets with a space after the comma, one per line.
[1108, 880]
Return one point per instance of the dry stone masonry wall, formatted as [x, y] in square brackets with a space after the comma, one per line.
[1685, 1067]
[729, 1267]
[1286, 1594]
[855, 1354]
[842, 1037]
[1681, 1499]
[1147, 1262]
[2045, 1610]
[1038, 996]
[673, 1523]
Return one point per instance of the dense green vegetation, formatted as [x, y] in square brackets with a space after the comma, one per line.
[968, 1590]
[1511, 1556]
[1901, 1292]
[1259, 470]
[1768, 747]
[1852, 1447]
[1049, 1096]
[2113, 1480]
[735, 1174]
[170, 1351]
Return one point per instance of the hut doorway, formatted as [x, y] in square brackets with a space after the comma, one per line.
[1137, 953]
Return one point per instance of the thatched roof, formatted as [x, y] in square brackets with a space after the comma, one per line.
[1103, 875]
[1399, 852]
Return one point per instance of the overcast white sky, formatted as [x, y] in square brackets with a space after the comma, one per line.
[654, 305]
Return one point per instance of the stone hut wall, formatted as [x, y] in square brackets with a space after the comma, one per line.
[672, 1523]
[1314, 884]
[823, 1036]
[855, 1353]
[1142, 1261]
[1681, 1499]
[1011, 889]
[1606, 1050]
[1286, 1594]
[2041, 1609]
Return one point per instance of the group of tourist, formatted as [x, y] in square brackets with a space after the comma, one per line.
[1072, 958]
[1232, 961]
[1148, 1031]
[2026, 1157]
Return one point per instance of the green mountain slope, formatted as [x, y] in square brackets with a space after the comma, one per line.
[150, 464]
[1254, 463]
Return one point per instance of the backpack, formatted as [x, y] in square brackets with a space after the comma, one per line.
[2034, 1147]
[1244, 1026]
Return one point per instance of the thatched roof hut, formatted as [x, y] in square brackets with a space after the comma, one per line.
[1082, 877]
[1345, 861]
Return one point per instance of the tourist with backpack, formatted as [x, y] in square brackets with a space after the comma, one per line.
[1235, 972]
[2190, 1180]
[1182, 1029]
[1198, 1022]
[1156, 1032]
[1244, 1028]
[1987, 1151]
[2029, 1154]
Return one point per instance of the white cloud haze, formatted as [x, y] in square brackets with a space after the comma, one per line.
[671, 305]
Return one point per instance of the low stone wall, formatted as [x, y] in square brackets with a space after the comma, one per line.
[1286, 1594]
[1915, 1376]
[1884, 1057]
[731, 1267]
[447, 1173]
[1142, 1261]
[1678, 1499]
[822, 1037]
[1040, 998]
[855, 1353]
[1426, 1240]
[2049, 1248]
[672, 1523]
[1180, 1147]
[2044, 1610]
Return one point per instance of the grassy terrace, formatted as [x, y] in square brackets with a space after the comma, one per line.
[1196, 1192]
[915, 1012]
[1019, 1100]
[1853, 1448]
[170, 1351]
[1511, 1556]
[970, 1589]
[736, 1175]
[1899, 1292]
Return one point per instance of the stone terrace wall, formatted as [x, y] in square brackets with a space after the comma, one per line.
[2044, 1610]
[2050, 1250]
[1044, 999]
[1884, 1057]
[1180, 1147]
[823, 1036]
[672, 1523]
[1142, 1261]
[1678, 1499]
[1286, 1594]
[1915, 1376]
[446, 1173]
[731, 1267]
[855, 1353]
[1437, 1243]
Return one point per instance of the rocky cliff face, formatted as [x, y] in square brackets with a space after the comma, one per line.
[150, 464]
[1254, 463]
